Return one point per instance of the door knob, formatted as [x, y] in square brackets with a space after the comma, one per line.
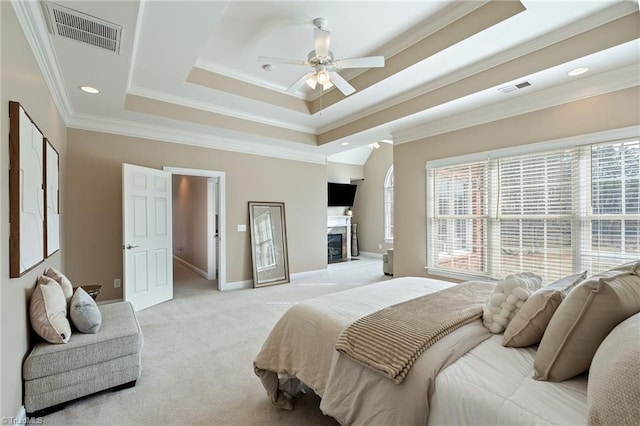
[129, 247]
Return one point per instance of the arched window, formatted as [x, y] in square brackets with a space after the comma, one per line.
[388, 206]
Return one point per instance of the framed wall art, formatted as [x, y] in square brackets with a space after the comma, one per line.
[26, 192]
[51, 198]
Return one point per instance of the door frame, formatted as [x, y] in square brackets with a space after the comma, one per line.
[222, 251]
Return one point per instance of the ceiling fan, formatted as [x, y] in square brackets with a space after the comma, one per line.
[322, 63]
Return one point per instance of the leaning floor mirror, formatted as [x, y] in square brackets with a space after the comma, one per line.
[268, 243]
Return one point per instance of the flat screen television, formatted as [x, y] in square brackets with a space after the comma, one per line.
[341, 194]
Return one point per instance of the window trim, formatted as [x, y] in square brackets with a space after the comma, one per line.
[385, 202]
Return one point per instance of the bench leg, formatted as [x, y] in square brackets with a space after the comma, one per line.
[47, 411]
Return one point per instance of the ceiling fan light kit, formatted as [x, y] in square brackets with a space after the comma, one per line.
[324, 66]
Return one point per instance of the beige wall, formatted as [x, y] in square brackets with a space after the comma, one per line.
[94, 204]
[344, 173]
[368, 211]
[190, 220]
[611, 111]
[22, 82]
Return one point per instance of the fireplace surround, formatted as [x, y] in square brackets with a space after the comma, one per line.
[338, 238]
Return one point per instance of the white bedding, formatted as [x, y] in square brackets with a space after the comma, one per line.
[488, 385]
[301, 346]
[493, 385]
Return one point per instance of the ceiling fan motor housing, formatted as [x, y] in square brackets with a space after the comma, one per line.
[320, 23]
[320, 60]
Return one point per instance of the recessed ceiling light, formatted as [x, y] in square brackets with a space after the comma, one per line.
[386, 140]
[578, 71]
[344, 143]
[89, 89]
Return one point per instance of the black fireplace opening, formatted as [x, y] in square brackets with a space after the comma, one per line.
[334, 244]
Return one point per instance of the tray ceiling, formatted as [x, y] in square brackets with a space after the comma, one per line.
[187, 71]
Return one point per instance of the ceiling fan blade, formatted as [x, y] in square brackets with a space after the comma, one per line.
[295, 86]
[283, 61]
[368, 62]
[321, 42]
[342, 84]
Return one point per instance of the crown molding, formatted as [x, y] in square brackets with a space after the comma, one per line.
[168, 134]
[205, 106]
[136, 43]
[36, 31]
[618, 10]
[599, 84]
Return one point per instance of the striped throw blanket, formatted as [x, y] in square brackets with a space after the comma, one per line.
[390, 340]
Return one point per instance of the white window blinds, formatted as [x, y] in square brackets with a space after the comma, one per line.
[551, 212]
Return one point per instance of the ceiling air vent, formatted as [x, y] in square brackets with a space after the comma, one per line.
[84, 28]
[514, 87]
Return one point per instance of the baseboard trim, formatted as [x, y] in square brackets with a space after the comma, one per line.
[306, 274]
[372, 255]
[237, 285]
[106, 302]
[194, 268]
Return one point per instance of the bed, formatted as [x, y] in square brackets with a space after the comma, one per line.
[466, 377]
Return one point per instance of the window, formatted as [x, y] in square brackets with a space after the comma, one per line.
[388, 206]
[552, 212]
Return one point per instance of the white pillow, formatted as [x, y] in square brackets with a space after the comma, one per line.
[67, 287]
[84, 312]
[48, 311]
[507, 298]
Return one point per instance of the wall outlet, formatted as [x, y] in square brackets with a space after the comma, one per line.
[116, 283]
[242, 228]
[379, 246]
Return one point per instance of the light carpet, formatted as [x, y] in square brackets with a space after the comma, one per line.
[198, 353]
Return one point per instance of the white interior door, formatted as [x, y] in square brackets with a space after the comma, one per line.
[147, 237]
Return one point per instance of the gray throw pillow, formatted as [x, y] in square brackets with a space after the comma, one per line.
[84, 312]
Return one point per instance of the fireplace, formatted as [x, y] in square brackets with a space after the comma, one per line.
[334, 248]
[338, 238]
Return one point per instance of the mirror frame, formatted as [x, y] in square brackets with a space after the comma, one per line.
[283, 249]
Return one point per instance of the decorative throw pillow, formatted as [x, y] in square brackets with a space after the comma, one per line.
[64, 282]
[84, 312]
[528, 324]
[613, 394]
[585, 317]
[48, 311]
[507, 298]
[626, 267]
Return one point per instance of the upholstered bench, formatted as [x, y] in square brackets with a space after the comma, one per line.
[57, 373]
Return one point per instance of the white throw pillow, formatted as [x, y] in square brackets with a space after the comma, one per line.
[67, 287]
[507, 298]
[48, 311]
[84, 312]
